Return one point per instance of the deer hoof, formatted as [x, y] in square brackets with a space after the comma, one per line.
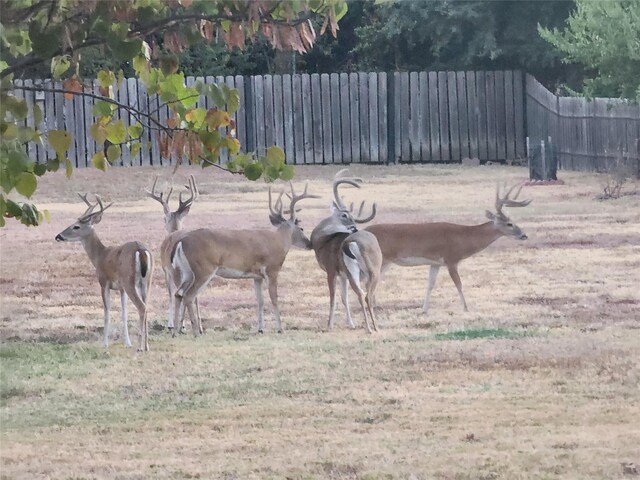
[260, 331]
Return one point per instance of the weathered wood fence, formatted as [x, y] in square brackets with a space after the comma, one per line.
[377, 117]
[584, 134]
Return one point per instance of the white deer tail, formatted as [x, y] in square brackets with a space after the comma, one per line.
[180, 262]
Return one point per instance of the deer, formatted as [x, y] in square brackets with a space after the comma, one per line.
[127, 268]
[199, 255]
[173, 223]
[441, 244]
[327, 239]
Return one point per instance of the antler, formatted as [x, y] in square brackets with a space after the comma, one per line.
[277, 208]
[160, 198]
[353, 181]
[194, 194]
[296, 198]
[89, 212]
[509, 202]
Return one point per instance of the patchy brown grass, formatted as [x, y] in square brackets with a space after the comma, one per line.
[557, 399]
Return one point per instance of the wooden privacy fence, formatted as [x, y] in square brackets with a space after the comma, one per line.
[338, 118]
[584, 134]
[377, 117]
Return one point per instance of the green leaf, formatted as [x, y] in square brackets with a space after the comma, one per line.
[135, 131]
[53, 164]
[117, 132]
[98, 133]
[60, 141]
[217, 95]
[233, 102]
[113, 153]
[40, 169]
[59, 65]
[287, 173]
[29, 215]
[47, 215]
[37, 115]
[253, 171]
[106, 78]
[68, 168]
[275, 156]
[26, 184]
[103, 109]
[99, 161]
[135, 149]
[18, 108]
[13, 209]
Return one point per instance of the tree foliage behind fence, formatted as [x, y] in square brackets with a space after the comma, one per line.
[379, 117]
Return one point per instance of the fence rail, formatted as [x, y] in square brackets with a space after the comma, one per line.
[376, 117]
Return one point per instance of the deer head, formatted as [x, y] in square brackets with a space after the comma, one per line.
[173, 220]
[298, 238]
[500, 220]
[84, 225]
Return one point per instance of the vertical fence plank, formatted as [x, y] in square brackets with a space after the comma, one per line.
[518, 113]
[50, 122]
[316, 110]
[287, 118]
[298, 119]
[510, 120]
[434, 117]
[336, 127]
[403, 126]
[224, 152]
[454, 125]
[490, 88]
[413, 114]
[132, 92]
[473, 110]
[345, 119]
[481, 92]
[383, 113]
[145, 139]
[269, 127]
[423, 108]
[278, 113]
[325, 100]
[365, 121]
[397, 118]
[122, 95]
[308, 119]
[501, 140]
[241, 114]
[259, 119]
[88, 102]
[463, 114]
[374, 121]
[354, 100]
[443, 103]
[69, 125]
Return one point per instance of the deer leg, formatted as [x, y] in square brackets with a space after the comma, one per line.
[106, 301]
[143, 332]
[354, 280]
[344, 294]
[453, 271]
[197, 304]
[331, 280]
[273, 295]
[373, 283]
[194, 319]
[433, 274]
[257, 283]
[125, 324]
[170, 287]
[178, 313]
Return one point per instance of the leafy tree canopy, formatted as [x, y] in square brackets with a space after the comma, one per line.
[605, 37]
[148, 36]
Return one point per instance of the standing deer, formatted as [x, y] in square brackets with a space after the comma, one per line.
[327, 241]
[127, 268]
[173, 223]
[445, 244]
[201, 254]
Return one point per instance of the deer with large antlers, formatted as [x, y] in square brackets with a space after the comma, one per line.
[346, 255]
[127, 268]
[173, 223]
[201, 254]
[443, 244]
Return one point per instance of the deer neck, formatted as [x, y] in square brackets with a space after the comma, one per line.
[481, 236]
[94, 247]
[284, 231]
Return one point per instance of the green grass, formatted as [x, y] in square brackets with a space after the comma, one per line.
[475, 333]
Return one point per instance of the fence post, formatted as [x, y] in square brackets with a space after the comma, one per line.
[249, 116]
[544, 160]
[391, 115]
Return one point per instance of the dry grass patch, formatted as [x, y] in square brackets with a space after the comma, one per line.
[539, 380]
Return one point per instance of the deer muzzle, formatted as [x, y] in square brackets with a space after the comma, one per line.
[60, 238]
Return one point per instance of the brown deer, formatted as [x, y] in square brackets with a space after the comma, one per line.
[127, 268]
[327, 239]
[201, 254]
[173, 223]
[445, 244]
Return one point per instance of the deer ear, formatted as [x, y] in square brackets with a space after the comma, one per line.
[334, 207]
[184, 212]
[490, 215]
[95, 219]
[276, 219]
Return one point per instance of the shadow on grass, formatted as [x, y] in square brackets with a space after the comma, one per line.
[474, 333]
